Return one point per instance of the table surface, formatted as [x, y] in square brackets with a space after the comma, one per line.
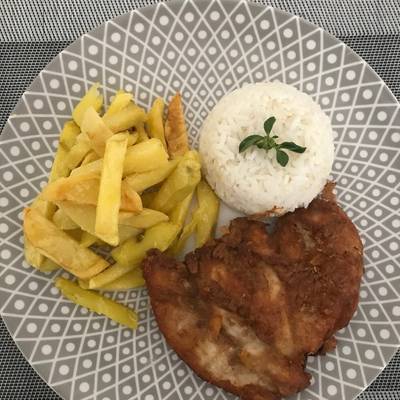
[32, 33]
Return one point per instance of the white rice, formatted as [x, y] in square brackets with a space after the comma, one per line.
[253, 181]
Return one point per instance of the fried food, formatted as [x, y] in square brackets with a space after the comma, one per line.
[245, 310]
[175, 128]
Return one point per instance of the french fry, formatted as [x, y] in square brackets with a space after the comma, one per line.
[97, 131]
[145, 156]
[179, 213]
[120, 101]
[60, 247]
[187, 231]
[80, 189]
[84, 215]
[207, 213]
[87, 239]
[131, 280]
[97, 303]
[144, 220]
[132, 138]
[62, 221]
[178, 185]
[130, 199]
[159, 236]
[144, 180]
[84, 189]
[49, 266]
[109, 200]
[75, 234]
[32, 255]
[111, 274]
[141, 132]
[142, 157]
[68, 137]
[155, 124]
[128, 117]
[175, 128]
[90, 157]
[78, 151]
[91, 99]
[69, 134]
[203, 219]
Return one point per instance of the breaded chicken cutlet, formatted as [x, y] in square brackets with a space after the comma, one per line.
[245, 310]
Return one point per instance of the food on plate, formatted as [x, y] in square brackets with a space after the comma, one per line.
[97, 303]
[253, 181]
[59, 247]
[109, 197]
[107, 166]
[268, 142]
[245, 310]
[175, 128]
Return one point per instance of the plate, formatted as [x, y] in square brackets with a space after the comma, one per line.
[204, 49]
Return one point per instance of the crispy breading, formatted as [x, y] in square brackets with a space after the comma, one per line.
[175, 128]
[245, 310]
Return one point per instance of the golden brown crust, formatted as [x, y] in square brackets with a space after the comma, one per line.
[286, 293]
[175, 128]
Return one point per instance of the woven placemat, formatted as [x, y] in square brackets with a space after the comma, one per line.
[31, 34]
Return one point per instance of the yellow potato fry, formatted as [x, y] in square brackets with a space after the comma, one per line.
[132, 138]
[84, 215]
[155, 123]
[130, 199]
[207, 213]
[128, 117]
[179, 213]
[62, 221]
[97, 303]
[60, 247]
[78, 151]
[90, 157]
[32, 255]
[93, 168]
[131, 280]
[69, 134]
[78, 188]
[87, 239]
[142, 157]
[175, 128]
[142, 133]
[49, 266]
[142, 181]
[111, 274]
[145, 156]
[178, 185]
[97, 131]
[120, 101]
[187, 231]
[84, 189]
[91, 99]
[109, 200]
[159, 236]
[144, 220]
[126, 232]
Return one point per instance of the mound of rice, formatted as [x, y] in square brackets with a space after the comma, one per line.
[253, 182]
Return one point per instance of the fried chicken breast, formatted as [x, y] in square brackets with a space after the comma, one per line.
[244, 311]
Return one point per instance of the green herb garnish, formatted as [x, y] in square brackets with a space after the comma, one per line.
[268, 142]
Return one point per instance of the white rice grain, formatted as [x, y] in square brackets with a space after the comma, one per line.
[253, 181]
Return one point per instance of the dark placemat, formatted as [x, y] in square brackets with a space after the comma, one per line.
[31, 34]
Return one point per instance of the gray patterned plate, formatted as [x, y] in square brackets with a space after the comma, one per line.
[204, 49]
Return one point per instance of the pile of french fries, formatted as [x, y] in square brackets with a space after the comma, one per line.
[122, 182]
